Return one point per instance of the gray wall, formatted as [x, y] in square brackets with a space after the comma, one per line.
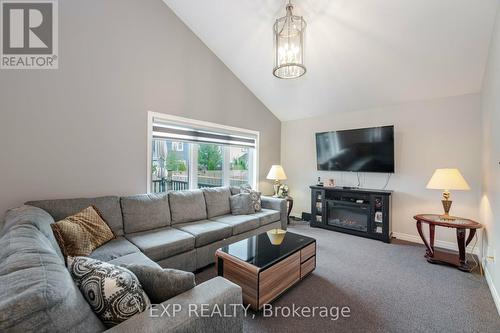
[422, 144]
[81, 130]
[490, 200]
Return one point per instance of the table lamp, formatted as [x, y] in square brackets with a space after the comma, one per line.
[276, 173]
[446, 180]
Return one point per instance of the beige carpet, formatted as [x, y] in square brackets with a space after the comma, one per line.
[387, 287]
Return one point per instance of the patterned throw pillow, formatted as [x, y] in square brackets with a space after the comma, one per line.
[82, 233]
[254, 195]
[114, 293]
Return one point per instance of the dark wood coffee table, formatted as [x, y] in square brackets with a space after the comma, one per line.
[266, 265]
[437, 256]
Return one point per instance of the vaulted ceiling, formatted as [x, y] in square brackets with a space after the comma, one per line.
[359, 53]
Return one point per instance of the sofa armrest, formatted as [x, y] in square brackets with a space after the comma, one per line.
[277, 204]
[34, 216]
[193, 309]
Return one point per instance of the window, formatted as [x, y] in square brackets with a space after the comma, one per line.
[169, 167]
[210, 165]
[239, 165]
[187, 154]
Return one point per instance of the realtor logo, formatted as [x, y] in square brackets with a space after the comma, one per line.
[29, 34]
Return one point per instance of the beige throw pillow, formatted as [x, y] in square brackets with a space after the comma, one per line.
[82, 233]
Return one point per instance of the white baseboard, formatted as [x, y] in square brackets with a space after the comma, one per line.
[493, 290]
[437, 243]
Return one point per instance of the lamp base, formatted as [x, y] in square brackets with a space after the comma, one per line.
[276, 188]
[446, 207]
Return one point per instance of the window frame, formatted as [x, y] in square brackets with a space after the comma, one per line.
[209, 126]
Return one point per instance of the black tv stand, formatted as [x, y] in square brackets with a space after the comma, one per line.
[356, 211]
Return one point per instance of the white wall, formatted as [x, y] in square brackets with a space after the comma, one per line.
[81, 130]
[490, 200]
[428, 135]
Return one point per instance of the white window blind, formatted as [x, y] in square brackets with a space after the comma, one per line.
[180, 132]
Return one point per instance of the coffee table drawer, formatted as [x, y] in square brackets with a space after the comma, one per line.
[308, 266]
[276, 279]
[307, 252]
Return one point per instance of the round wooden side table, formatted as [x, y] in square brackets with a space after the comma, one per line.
[436, 256]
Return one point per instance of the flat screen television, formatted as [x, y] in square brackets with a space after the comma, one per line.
[358, 150]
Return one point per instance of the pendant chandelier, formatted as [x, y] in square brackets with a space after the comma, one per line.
[289, 45]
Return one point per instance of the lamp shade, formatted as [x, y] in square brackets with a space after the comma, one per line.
[276, 173]
[447, 179]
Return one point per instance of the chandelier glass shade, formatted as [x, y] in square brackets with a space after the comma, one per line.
[289, 45]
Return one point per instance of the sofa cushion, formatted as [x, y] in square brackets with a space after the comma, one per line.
[113, 249]
[187, 206]
[145, 212]
[82, 233]
[239, 223]
[37, 293]
[162, 284]
[137, 258]
[162, 243]
[206, 231]
[217, 201]
[267, 216]
[113, 292]
[108, 207]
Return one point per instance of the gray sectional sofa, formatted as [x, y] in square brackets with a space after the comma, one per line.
[180, 229]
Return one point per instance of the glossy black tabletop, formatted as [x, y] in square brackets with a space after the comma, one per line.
[259, 250]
